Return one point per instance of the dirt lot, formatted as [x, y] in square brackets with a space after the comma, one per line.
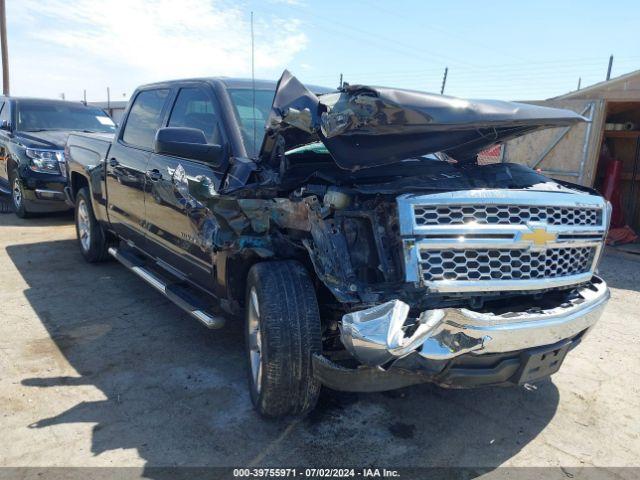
[99, 369]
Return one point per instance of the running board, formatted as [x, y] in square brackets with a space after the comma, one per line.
[174, 292]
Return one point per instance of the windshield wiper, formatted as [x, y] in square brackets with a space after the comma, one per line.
[83, 130]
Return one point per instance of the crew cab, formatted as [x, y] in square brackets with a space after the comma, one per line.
[351, 230]
[33, 133]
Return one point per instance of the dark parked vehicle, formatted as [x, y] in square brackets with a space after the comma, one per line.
[33, 133]
[357, 235]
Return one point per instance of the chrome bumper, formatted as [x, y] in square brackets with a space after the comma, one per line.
[375, 336]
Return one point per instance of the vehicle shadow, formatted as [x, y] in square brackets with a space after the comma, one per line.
[9, 219]
[176, 392]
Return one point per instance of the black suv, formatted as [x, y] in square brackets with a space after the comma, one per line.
[32, 137]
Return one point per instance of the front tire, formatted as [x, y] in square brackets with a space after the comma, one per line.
[282, 330]
[17, 197]
[91, 237]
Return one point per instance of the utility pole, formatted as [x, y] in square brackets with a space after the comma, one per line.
[253, 83]
[5, 48]
[444, 80]
[610, 65]
[84, 97]
[340, 81]
[109, 100]
[579, 83]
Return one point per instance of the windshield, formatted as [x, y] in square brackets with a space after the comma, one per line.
[34, 116]
[251, 118]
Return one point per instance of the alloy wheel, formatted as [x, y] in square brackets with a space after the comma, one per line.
[84, 225]
[255, 339]
[17, 194]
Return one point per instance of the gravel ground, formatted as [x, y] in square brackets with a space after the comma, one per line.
[98, 369]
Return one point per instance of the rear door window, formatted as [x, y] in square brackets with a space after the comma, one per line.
[194, 108]
[145, 118]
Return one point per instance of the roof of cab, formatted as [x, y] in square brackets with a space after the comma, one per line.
[234, 83]
[46, 101]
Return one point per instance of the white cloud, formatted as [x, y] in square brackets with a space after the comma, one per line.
[288, 2]
[121, 42]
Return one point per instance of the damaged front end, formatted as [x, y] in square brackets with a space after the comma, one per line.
[428, 266]
[379, 334]
[432, 346]
[491, 280]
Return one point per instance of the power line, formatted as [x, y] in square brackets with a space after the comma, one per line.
[383, 42]
[495, 73]
[569, 67]
[461, 74]
[446, 31]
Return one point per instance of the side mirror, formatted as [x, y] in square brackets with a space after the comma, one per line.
[187, 143]
[5, 125]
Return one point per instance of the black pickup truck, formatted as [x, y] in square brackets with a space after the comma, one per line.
[33, 132]
[352, 229]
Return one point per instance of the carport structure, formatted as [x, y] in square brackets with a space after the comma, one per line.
[573, 154]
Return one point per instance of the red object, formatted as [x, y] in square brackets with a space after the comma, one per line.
[491, 155]
[618, 236]
[611, 191]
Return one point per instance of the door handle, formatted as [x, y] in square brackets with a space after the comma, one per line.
[113, 162]
[154, 175]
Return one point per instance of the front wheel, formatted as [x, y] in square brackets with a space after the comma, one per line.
[91, 236]
[282, 333]
[17, 198]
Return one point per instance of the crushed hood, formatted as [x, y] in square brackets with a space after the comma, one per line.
[365, 126]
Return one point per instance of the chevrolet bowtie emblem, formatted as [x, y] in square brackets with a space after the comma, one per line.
[539, 236]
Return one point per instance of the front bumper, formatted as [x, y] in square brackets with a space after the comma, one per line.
[465, 371]
[443, 338]
[44, 193]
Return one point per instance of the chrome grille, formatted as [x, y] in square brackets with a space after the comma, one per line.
[504, 264]
[505, 215]
[501, 240]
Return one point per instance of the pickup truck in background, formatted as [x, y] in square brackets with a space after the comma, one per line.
[33, 133]
[352, 229]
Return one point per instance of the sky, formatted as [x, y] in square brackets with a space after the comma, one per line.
[512, 50]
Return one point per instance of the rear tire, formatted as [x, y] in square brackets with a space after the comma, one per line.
[282, 331]
[91, 237]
